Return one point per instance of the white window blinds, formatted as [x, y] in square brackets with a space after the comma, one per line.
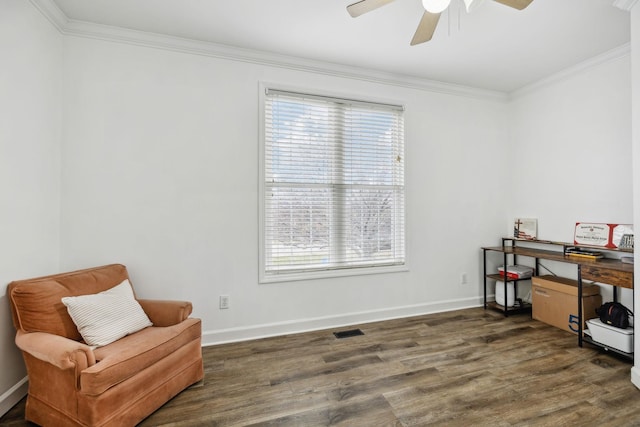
[333, 184]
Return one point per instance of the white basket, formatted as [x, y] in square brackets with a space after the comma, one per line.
[511, 298]
[610, 336]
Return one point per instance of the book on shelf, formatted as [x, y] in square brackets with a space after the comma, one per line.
[583, 253]
[516, 271]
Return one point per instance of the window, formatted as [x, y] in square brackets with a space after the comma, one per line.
[333, 186]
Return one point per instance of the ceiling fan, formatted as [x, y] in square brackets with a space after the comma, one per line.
[433, 9]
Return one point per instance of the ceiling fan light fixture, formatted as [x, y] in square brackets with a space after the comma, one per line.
[472, 5]
[435, 6]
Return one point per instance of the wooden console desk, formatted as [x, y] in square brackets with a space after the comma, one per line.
[604, 271]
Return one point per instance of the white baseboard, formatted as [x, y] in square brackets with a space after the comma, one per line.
[635, 376]
[223, 336]
[12, 396]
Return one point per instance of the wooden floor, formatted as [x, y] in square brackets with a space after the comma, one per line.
[461, 368]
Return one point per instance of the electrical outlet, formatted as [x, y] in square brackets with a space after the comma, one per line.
[224, 302]
[463, 278]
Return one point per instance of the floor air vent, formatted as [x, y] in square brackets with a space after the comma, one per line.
[349, 333]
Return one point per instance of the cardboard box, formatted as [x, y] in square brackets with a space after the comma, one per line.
[610, 336]
[555, 301]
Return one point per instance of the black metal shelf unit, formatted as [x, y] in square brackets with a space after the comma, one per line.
[605, 271]
[519, 306]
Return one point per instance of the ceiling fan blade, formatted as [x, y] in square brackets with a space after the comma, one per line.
[516, 4]
[425, 29]
[364, 6]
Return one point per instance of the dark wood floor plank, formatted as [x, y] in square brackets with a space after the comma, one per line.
[460, 368]
[374, 412]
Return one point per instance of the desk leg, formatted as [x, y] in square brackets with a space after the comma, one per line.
[484, 275]
[505, 282]
[580, 305]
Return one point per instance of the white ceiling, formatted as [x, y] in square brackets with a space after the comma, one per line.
[495, 47]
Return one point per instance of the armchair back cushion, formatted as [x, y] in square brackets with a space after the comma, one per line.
[39, 307]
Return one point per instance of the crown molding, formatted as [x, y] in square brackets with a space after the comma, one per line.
[625, 4]
[611, 55]
[70, 27]
[52, 12]
[83, 29]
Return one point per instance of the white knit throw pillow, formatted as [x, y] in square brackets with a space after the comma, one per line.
[107, 316]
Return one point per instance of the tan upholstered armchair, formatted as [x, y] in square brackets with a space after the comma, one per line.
[118, 384]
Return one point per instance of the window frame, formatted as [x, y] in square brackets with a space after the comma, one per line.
[264, 276]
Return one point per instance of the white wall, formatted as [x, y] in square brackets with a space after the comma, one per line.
[572, 153]
[160, 172]
[635, 73]
[30, 106]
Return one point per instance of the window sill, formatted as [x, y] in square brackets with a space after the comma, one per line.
[326, 274]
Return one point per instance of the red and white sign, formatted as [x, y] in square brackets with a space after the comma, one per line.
[600, 234]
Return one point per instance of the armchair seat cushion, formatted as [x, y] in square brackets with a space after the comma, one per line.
[122, 359]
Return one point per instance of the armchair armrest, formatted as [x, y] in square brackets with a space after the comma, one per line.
[165, 312]
[59, 351]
